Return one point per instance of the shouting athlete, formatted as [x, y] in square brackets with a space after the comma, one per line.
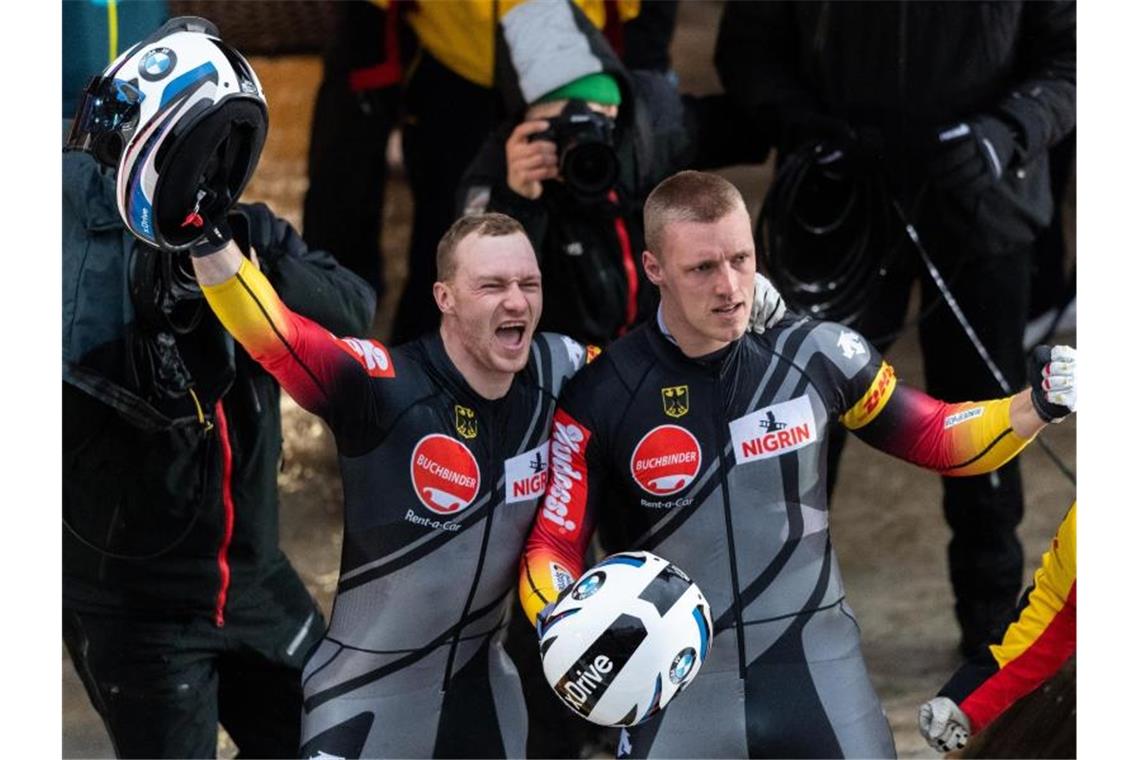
[443, 453]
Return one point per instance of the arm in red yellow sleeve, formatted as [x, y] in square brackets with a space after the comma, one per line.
[312, 365]
[556, 548]
[1040, 641]
[954, 439]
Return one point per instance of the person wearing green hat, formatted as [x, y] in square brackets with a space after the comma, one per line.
[588, 141]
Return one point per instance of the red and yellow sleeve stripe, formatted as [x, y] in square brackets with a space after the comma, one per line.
[304, 357]
[556, 548]
[960, 439]
[1043, 637]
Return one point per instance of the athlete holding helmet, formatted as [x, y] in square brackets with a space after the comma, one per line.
[442, 441]
[706, 445]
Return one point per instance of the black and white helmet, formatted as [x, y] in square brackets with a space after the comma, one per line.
[625, 639]
[182, 118]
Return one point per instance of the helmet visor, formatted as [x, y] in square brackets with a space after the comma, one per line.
[107, 115]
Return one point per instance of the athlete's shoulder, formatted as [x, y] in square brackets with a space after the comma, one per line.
[605, 384]
[624, 360]
[555, 358]
[806, 341]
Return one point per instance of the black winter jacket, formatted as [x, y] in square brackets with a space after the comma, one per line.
[907, 69]
[590, 251]
[149, 482]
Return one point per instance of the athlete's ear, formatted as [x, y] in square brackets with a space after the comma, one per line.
[443, 297]
[652, 267]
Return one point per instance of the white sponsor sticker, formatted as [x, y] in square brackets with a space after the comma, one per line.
[959, 417]
[526, 473]
[851, 344]
[575, 350]
[561, 576]
[773, 431]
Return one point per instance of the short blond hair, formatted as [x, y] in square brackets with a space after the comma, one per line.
[687, 196]
[486, 225]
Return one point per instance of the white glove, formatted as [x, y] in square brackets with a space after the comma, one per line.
[767, 306]
[943, 724]
[1054, 379]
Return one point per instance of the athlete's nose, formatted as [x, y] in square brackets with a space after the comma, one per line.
[514, 300]
[724, 283]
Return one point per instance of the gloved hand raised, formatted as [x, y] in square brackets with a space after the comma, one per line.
[972, 156]
[767, 305]
[1053, 381]
[943, 724]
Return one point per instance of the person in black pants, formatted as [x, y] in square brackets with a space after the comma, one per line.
[954, 106]
[180, 611]
[355, 111]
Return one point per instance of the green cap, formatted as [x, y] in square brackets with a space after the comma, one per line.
[596, 88]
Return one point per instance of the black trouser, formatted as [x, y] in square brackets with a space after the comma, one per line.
[985, 555]
[348, 166]
[162, 687]
[446, 120]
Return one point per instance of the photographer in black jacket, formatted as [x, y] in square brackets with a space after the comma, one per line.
[180, 610]
[952, 107]
[588, 140]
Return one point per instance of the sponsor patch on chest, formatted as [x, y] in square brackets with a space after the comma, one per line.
[444, 473]
[773, 431]
[666, 460]
[526, 473]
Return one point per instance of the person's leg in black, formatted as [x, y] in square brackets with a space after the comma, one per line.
[447, 118]
[985, 555]
[348, 148]
[154, 684]
[259, 694]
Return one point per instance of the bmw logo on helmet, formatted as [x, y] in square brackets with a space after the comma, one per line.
[682, 664]
[617, 649]
[589, 586]
[157, 63]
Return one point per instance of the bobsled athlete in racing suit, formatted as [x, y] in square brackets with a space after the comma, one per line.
[442, 449]
[708, 448]
[443, 454]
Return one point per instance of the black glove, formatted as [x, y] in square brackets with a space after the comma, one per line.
[863, 145]
[1053, 382]
[971, 156]
[216, 236]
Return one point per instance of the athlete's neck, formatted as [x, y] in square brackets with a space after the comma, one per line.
[488, 383]
[676, 329]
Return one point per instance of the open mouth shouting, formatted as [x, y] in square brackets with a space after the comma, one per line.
[511, 335]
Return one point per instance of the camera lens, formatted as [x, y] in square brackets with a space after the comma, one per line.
[590, 168]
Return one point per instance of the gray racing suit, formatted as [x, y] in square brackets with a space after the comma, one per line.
[440, 489]
[718, 464]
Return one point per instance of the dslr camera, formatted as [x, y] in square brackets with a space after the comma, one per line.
[586, 156]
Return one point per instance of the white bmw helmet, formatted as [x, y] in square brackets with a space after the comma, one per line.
[625, 639]
[182, 117]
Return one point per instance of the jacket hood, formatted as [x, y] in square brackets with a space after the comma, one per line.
[545, 44]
